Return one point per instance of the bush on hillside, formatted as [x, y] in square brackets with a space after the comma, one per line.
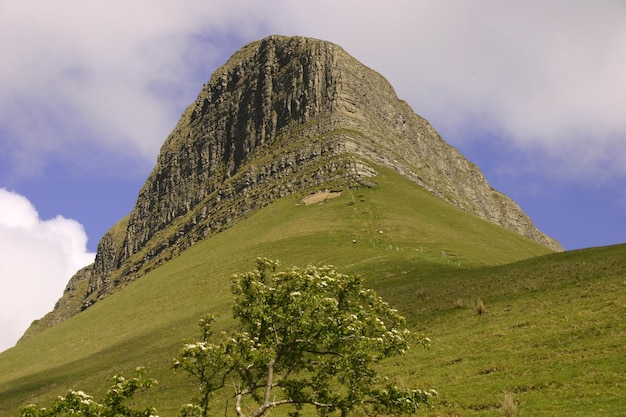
[307, 337]
[113, 404]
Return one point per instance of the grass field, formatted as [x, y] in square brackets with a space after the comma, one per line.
[553, 332]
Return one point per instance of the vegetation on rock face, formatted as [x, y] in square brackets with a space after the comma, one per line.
[307, 337]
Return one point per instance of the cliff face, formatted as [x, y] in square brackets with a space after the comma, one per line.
[283, 115]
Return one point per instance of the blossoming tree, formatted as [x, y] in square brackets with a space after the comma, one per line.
[78, 403]
[307, 337]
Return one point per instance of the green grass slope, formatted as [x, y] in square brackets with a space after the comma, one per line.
[552, 332]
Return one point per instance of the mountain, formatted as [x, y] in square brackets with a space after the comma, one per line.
[284, 116]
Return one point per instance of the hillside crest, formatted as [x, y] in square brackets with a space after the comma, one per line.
[284, 115]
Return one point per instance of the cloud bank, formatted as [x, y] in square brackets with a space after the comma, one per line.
[37, 258]
[544, 79]
[98, 76]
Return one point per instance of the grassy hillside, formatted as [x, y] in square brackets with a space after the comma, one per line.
[552, 334]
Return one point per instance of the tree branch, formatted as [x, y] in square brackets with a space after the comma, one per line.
[238, 404]
[268, 383]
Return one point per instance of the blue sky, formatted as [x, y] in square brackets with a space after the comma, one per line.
[533, 92]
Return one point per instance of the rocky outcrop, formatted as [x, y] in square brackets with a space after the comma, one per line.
[283, 115]
[268, 102]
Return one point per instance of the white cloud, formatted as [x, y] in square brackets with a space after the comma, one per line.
[37, 258]
[91, 74]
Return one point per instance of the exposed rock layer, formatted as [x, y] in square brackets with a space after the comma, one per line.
[281, 116]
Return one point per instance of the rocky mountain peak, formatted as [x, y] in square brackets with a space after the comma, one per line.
[282, 115]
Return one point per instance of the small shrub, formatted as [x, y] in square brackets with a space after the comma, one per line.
[509, 407]
[480, 307]
[422, 294]
[78, 403]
